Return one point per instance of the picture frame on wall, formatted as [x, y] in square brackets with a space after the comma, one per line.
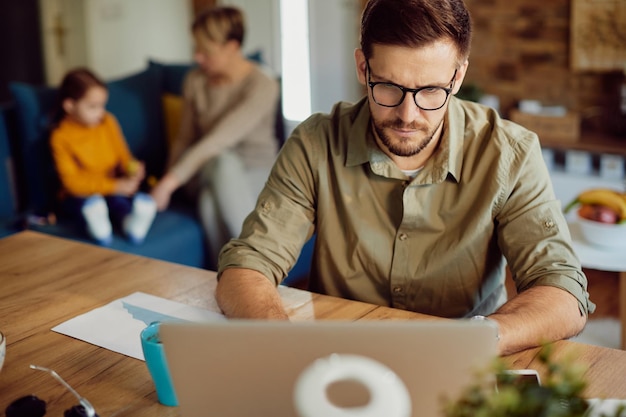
[598, 35]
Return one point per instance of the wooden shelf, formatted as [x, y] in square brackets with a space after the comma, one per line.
[591, 142]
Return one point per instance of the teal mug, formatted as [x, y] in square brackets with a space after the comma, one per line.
[154, 353]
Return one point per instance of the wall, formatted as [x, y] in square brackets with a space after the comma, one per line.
[333, 26]
[262, 29]
[121, 35]
[334, 34]
[521, 51]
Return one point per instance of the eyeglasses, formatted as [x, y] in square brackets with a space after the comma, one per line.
[427, 98]
[32, 406]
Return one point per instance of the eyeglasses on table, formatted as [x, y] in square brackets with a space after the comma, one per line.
[33, 406]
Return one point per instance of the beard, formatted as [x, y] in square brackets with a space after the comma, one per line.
[403, 146]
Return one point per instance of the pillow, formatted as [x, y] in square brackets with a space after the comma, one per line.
[172, 75]
[34, 106]
[135, 101]
[7, 183]
[172, 111]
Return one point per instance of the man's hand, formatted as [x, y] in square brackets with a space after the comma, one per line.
[541, 314]
[244, 293]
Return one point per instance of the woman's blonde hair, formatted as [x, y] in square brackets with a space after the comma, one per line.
[220, 24]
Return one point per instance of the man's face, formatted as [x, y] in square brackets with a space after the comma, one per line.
[405, 130]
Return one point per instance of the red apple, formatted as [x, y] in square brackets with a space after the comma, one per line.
[598, 213]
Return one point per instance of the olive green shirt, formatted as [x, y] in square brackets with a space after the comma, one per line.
[435, 244]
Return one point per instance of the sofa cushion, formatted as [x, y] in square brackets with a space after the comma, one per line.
[33, 108]
[135, 101]
[172, 75]
[172, 114]
[175, 236]
[8, 199]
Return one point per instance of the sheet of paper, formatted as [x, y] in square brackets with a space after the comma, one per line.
[117, 325]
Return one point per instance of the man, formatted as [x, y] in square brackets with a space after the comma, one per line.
[418, 199]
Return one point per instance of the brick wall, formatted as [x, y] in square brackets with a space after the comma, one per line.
[521, 51]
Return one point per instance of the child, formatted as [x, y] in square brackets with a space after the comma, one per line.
[100, 178]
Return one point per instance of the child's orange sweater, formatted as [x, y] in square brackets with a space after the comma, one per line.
[88, 159]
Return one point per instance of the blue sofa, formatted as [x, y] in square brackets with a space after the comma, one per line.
[29, 181]
[176, 234]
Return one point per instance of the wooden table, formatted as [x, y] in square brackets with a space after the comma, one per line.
[45, 281]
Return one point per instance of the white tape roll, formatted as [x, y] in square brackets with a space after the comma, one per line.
[389, 396]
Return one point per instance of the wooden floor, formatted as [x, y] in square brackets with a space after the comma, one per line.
[603, 291]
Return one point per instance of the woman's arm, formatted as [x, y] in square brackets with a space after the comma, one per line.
[236, 123]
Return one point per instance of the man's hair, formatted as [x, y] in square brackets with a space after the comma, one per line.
[415, 23]
[220, 24]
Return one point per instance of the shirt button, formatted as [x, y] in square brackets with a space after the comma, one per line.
[403, 237]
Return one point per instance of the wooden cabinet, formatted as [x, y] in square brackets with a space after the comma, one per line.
[594, 142]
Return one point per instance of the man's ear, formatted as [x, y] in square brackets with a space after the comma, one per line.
[68, 105]
[460, 76]
[361, 65]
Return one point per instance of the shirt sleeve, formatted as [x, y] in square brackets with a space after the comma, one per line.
[238, 122]
[533, 233]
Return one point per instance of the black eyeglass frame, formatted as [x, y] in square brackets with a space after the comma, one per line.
[406, 90]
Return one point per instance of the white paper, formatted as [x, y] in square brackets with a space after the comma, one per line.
[117, 325]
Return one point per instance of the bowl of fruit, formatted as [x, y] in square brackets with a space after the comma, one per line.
[601, 214]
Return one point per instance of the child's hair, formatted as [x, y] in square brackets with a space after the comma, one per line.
[220, 24]
[74, 86]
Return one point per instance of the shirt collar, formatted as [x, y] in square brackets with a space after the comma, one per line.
[360, 137]
[448, 159]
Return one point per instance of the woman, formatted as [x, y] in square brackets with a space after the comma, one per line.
[226, 144]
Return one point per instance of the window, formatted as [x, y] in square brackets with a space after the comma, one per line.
[296, 76]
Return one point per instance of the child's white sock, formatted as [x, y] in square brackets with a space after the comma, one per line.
[96, 214]
[138, 222]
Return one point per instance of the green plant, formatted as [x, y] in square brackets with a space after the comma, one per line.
[470, 91]
[559, 395]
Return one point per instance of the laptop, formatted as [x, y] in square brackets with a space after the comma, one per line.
[251, 368]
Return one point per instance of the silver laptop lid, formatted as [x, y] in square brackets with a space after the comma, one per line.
[252, 368]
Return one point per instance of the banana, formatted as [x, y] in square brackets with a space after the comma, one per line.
[605, 197]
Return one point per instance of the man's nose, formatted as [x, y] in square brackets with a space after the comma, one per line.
[407, 109]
